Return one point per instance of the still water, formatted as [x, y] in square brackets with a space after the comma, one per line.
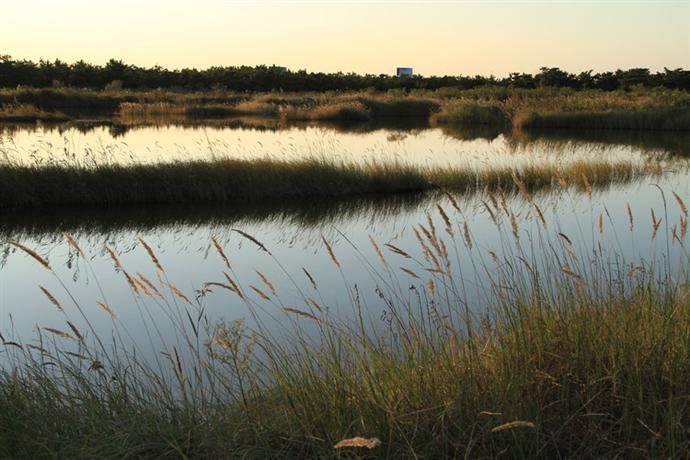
[297, 264]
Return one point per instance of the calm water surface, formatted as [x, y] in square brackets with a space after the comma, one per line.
[294, 231]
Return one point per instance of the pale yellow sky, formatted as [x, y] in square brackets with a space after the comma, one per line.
[434, 37]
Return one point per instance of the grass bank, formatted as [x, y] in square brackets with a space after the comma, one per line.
[23, 113]
[233, 180]
[637, 109]
[570, 357]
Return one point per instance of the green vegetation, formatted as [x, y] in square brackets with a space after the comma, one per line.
[569, 356]
[229, 180]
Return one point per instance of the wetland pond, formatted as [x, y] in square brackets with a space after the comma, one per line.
[319, 253]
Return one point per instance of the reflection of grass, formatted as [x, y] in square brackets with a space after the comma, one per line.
[652, 118]
[673, 142]
[303, 213]
[570, 355]
[230, 180]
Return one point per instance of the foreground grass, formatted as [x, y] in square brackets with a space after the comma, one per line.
[589, 379]
[232, 180]
[570, 357]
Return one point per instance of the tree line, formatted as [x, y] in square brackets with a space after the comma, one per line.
[115, 74]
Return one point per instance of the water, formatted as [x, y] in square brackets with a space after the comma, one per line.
[294, 232]
[409, 142]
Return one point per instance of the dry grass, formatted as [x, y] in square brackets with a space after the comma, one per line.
[465, 112]
[244, 108]
[20, 113]
[349, 111]
[154, 109]
[654, 109]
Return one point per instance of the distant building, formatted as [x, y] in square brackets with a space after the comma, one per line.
[403, 71]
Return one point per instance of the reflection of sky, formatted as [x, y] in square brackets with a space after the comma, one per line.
[426, 147]
[184, 249]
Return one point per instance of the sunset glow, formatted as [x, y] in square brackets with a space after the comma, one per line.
[365, 37]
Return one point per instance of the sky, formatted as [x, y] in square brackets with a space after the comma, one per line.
[433, 37]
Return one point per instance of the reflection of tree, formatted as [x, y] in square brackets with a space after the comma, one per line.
[118, 130]
[471, 132]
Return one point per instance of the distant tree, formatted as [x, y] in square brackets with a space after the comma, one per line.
[632, 77]
[607, 81]
[553, 76]
[675, 79]
[272, 78]
[522, 80]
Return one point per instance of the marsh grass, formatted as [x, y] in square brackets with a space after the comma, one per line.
[465, 112]
[347, 111]
[228, 180]
[157, 109]
[393, 105]
[132, 110]
[568, 356]
[354, 107]
[245, 108]
[23, 113]
[648, 109]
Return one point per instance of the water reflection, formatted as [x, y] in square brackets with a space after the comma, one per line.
[301, 213]
[293, 232]
[671, 142]
[410, 141]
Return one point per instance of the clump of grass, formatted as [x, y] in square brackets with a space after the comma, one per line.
[467, 112]
[346, 111]
[28, 113]
[154, 109]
